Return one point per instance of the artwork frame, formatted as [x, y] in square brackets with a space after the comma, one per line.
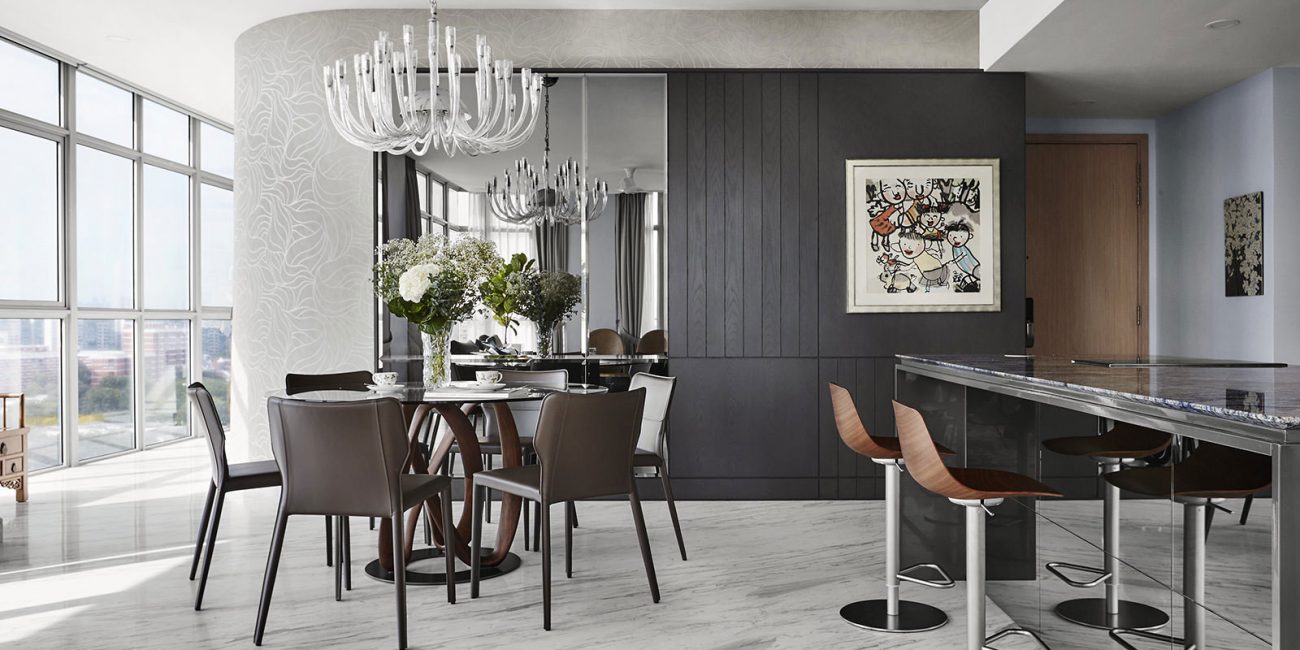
[1243, 245]
[904, 249]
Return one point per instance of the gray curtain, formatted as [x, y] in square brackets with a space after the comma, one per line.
[552, 247]
[629, 266]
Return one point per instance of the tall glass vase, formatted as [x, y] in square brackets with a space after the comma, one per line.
[545, 336]
[437, 363]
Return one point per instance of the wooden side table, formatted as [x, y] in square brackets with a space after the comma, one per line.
[13, 445]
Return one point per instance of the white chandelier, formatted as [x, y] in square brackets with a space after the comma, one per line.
[383, 109]
[564, 198]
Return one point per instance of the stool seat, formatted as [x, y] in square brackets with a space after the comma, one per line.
[1212, 472]
[979, 483]
[1123, 441]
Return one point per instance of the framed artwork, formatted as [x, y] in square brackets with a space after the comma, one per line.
[1243, 245]
[922, 235]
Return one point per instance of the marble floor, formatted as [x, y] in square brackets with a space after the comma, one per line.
[99, 557]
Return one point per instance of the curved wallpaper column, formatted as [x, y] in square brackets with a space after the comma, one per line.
[304, 221]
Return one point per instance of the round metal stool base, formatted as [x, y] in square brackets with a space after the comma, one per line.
[912, 616]
[424, 579]
[1091, 612]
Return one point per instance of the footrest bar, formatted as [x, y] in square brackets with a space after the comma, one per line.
[1055, 568]
[1118, 636]
[1014, 631]
[944, 581]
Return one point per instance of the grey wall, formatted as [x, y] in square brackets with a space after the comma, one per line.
[756, 265]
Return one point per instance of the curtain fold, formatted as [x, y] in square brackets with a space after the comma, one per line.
[629, 266]
[552, 246]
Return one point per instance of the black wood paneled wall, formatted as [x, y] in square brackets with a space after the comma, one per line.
[756, 262]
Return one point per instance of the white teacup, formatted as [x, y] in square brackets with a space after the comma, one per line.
[486, 377]
[385, 378]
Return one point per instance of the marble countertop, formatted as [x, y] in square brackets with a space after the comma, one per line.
[1268, 397]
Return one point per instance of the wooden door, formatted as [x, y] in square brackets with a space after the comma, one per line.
[1086, 245]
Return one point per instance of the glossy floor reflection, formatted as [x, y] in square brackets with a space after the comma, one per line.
[99, 558]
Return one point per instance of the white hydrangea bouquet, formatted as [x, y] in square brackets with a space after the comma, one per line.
[434, 284]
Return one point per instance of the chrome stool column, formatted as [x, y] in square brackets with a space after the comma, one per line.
[1111, 449]
[890, 614]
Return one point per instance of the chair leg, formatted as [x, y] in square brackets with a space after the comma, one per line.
[347, 554]
[399, 576]
[449, 553]
[329, 540]
[571, 510]
[487, 506]
[338, 554]
[544, 531]
[428, 527]
[672, 509]
[569, 516]
[211, 546]
[644, 540]
[268, 580]
[372, 523]
[537, 526]
[1245, 512]
[203, 528]
[476, 540]
[528, 527]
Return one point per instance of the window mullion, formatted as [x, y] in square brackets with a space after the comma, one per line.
[69, 381]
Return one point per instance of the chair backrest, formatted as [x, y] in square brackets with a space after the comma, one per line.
[202, 401]
[585, 444]
[922, 458]
[851, 429]
[606, 341]
[354, 380]
[339, 458]
[658, 397]
[525, 413]
[653, 342]
[558, 379]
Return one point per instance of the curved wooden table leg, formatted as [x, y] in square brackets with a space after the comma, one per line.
[471, 459]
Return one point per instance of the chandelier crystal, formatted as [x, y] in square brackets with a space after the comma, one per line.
[383, 108]
[562, 198]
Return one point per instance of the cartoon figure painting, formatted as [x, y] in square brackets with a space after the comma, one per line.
[922, 235]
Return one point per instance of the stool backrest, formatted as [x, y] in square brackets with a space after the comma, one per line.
[851, 429]
[658, 397]
[585, 444]
[202, 401]
[301, 383]
[339, 458]
[922, 458]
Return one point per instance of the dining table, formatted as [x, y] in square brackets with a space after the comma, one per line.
[454, 405]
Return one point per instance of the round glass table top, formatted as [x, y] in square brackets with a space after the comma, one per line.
[419, 394]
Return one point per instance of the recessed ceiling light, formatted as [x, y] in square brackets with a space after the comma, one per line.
[118, 38]
[1224, 23]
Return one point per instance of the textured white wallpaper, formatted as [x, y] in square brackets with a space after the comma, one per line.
[303, 197]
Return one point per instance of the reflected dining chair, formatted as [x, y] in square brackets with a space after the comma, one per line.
[311, 441]
[976, 490]
[351, 380]
[651, 447]
[227, 477]
[653, 342]
[584, 445]
[605, 341]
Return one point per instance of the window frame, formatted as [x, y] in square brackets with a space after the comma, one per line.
[65, 308]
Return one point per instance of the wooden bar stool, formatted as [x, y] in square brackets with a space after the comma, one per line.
[1211, 474]
[1111, 449]
[889, 614]
[977, 490]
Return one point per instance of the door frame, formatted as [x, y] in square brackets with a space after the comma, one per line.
[1144, 201]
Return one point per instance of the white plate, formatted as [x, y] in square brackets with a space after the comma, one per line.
[391, 388]
[476, 387]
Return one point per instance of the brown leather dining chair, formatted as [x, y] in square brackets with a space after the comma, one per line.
[653, 342]
[348, 459]
[651, 443]
[584, 444]
[606, 341]
[974, 489]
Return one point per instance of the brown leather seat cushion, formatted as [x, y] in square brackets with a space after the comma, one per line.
[996, 484]
[250, 476]
[524, 481]
[494, 446]
[418, 487]
[1123, 441]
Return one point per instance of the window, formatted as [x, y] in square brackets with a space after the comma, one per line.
[29, 217]
[30, 83]
[104, 351]
[105, 229]
[166, 132]
[651, 300]
[105, 111]
[422, 188]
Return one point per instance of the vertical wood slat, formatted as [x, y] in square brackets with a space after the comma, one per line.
[790, 213]
[809, 222]
[771, 215]
[697, 301]
[715, 214]
[828, 439]
[846, 460]
[735, 232]
[677, 219]
[753, 214]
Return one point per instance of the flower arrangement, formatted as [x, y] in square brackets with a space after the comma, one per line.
[503, 291]
[548, 300]
[434, 284]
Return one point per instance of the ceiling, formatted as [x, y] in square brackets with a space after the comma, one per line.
[1120, 58]
[627, 124]
[184, 50]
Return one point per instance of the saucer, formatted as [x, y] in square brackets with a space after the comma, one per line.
[476, 386]
[391, 388]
